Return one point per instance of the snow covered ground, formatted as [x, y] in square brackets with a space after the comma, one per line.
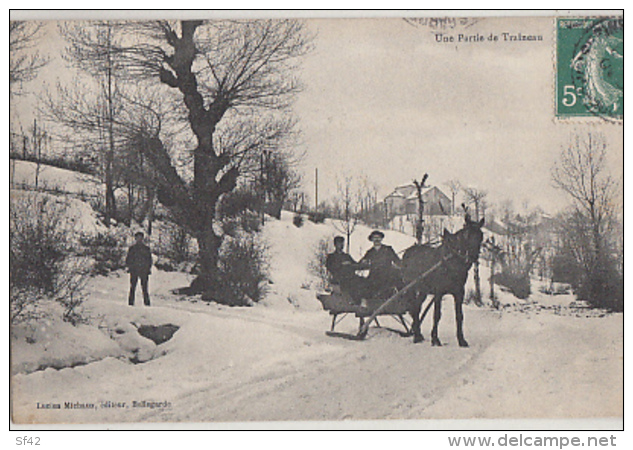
[538, 358]
[30, 174]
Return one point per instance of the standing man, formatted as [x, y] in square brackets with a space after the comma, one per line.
[384, 267]
[139, 263]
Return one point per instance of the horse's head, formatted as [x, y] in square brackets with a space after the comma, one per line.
[466, 243]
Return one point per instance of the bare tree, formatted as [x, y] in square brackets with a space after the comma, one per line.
[226, 74]
[24, 62]
[297, 200]
[454, 186]
[91, 48]
[346, 206]
[277, 181]
[367, 196]
[582, 173]
[476, 197]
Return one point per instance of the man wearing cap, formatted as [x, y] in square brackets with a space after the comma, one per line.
[343, 268]
[384, 266]
[139, 263]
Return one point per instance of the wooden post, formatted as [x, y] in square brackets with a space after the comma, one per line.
[263, 191]
[419, 228]
[36, 154]
[492, 276]
[316, 189]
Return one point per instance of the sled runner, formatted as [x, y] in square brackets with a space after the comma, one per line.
[339, 305]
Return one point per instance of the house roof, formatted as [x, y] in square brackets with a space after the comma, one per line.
[414, 195]
[497, 227]
[395, 194]
[409, 192]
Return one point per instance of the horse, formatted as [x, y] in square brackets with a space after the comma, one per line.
[458, 251]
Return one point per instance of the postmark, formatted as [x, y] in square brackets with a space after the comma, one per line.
[590, 68]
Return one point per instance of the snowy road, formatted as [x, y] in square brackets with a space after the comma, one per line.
[262, 364]
[551, 367]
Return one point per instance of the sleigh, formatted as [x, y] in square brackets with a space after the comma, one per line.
[339, 305]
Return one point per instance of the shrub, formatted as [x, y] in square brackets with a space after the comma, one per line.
[243, 271]
[177, 244]
[316, 217]
[41, 262]
[237, 202]
[69, 289]
[36, 249]
[248, 222]
[24, 303]
[317, 265]
[297, 220]
[106, 251]
[602, 287]
[517, 283]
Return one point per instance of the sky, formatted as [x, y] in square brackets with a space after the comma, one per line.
[385, 101]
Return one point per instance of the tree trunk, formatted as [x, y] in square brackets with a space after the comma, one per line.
[477, 284]
[208, 257]
[109, 176]
[151, 194]
[110, 202]
[493, 298]
[130, 203]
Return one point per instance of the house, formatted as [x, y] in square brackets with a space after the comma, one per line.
[404, 200]
[402, 210]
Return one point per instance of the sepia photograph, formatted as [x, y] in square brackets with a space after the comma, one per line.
[292, 219]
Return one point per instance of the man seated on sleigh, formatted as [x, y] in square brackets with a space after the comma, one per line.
[384, 268]
[342, 269]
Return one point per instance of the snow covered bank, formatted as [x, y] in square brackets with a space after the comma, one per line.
[75, 216]
[293, 249]
[31, 175]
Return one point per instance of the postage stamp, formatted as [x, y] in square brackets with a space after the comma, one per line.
[590, 67]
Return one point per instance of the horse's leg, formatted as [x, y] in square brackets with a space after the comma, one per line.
[459, 317]
[437, 315]
[416, 304]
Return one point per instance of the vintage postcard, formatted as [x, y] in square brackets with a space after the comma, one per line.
[236, 220]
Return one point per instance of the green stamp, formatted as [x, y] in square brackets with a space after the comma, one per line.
[590, 67]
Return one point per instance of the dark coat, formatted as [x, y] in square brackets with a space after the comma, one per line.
[343, 269]
[139, 259]
[384, 259]
[383, 265]
[341, 265]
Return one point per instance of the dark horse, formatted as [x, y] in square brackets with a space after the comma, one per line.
[458, 252]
